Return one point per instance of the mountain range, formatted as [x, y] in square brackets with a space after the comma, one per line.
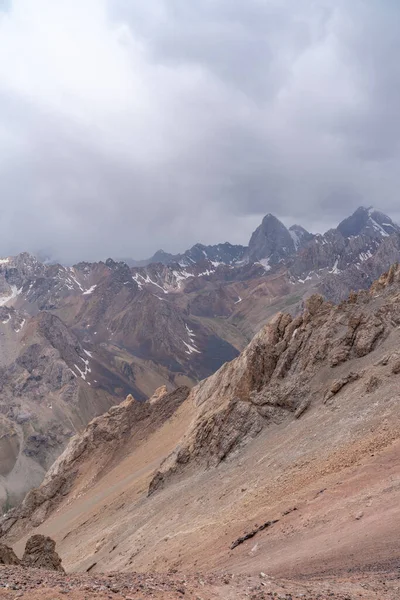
[279, 472]
[77, 340]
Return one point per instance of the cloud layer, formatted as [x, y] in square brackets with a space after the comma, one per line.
[128, 126]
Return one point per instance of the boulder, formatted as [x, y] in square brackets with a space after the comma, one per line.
[40, 552]
[8, 556]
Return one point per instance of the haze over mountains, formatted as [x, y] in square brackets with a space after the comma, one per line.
[76, 340]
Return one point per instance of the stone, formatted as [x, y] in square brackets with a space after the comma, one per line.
[40, 552]
[8, 556]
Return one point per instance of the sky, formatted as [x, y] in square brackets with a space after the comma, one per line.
[130, 126]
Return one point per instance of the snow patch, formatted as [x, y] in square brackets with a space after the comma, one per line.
[90, 290]
[191, 349]
[14, 293]
[4, 261]
[137, 277]
[20, 327]
[376, 225]
[365, 255]
[76, 281]
[86, 371]
[335, 270]
[265, 263]
[295, 238]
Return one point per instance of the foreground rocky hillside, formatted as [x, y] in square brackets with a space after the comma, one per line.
[285, 462]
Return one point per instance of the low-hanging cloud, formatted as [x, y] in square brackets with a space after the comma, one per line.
[125, 127]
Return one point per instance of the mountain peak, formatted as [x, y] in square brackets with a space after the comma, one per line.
[368, 221]
[300, 236]
[271, 240]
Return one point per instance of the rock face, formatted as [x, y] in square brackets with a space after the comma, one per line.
[274, 379]
[40, 553]
[43, 399]
[300, 236]
[158, 394]
[90, 452]
[8, 556]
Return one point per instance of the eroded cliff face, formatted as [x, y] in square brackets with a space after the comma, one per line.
[288, 366]
[90, 454]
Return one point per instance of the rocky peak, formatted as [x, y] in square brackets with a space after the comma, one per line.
[271, 240]
[300, 236]
[220, 253]
[368, 221]
[162, 257]
[225, 253]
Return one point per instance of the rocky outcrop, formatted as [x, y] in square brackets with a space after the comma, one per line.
[339, 384]
[158, 394]
[40, 553]
[8, 556]
[91, 452]
[278, 376]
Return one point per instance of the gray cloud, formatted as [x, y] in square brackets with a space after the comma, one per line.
[125, 127]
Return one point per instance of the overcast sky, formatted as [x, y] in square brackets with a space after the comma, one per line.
[128, 126]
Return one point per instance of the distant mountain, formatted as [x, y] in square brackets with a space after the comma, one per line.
[226, 253]
[271, 241]
[368, 222]
[352, 243]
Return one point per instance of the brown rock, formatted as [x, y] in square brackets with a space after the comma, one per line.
[396, 367]
[158, 394]
[338, 384]
[8, 556]
[372, 384]
[40, 552]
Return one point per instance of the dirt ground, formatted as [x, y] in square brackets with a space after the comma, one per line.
[35, 584]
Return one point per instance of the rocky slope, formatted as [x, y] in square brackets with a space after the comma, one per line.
[48, 392]
[285, 461]
[123, 426]
[278, 376]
